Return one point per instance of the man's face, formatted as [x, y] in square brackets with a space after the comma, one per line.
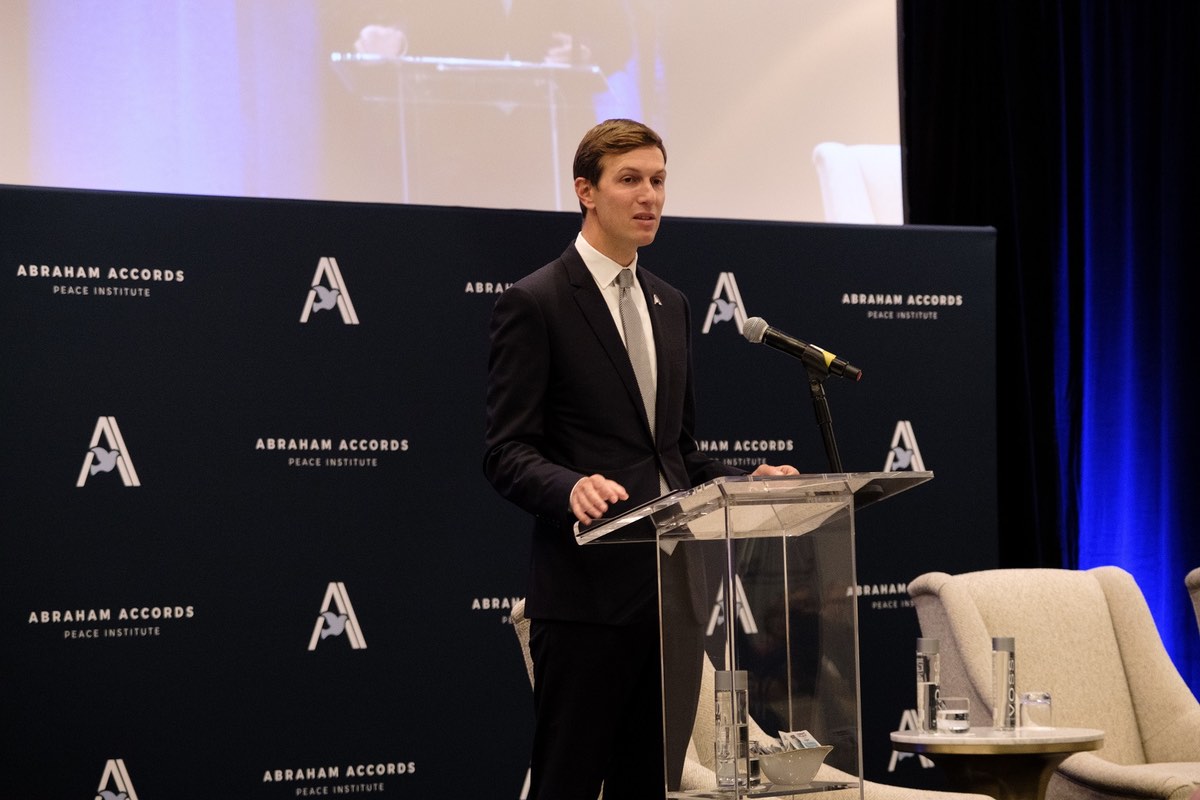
[625, 206]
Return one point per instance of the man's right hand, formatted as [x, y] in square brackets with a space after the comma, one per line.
[591, 497]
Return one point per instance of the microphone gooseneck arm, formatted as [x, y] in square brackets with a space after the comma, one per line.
[820, 364]
[816, 388]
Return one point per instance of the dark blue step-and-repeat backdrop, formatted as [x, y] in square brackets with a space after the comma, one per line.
[247, 546]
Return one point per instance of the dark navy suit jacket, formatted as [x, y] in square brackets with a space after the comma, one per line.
[562, 403]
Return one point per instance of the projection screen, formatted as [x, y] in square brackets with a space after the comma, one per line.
[442, 102]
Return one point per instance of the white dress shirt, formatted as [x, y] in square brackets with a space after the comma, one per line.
[604, 271]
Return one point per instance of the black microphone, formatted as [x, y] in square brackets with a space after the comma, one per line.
[758, 331]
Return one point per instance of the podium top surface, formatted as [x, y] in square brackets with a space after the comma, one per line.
[745, 506]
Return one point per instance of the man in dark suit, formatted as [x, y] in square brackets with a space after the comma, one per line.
[570, 438]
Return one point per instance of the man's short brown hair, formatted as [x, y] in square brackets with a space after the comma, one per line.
[611, 137]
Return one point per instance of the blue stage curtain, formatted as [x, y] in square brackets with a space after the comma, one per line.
[1132, 351]
[1070, 127]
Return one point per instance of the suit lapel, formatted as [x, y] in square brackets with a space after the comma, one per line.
[600, 320]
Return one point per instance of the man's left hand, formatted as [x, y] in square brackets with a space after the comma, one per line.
[768, 469]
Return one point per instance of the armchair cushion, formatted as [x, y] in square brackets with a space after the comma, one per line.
[1087, 776]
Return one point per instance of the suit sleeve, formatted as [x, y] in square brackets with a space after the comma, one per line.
[518, 371]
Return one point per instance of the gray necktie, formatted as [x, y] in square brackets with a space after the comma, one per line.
[635, 342]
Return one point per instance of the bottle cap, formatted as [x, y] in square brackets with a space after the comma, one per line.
[724, 680]
[929, 646]
[1005, 643]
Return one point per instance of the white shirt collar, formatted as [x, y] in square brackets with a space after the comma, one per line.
[604, 270]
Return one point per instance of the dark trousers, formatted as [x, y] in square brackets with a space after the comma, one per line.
[599, 713]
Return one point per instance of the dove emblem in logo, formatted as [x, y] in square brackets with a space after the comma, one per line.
[326, 298]
[726, 305]
[901, 459]
[905, 454]
[110, 456]
[337, 617]
[724, 311]
[111, 795]
[105, 459]
[334, 624]
[328, 290]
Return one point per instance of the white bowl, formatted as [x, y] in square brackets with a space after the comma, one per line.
[793, 767]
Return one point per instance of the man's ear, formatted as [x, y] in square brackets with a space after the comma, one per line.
[583, 190]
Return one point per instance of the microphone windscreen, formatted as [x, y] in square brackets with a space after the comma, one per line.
[754, 329]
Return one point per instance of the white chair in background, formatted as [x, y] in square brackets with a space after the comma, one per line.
[1192, 581]
[860, 183]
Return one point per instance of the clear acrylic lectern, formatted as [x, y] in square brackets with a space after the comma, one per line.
[757, 592]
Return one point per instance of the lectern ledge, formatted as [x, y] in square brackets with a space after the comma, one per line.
[757, 587]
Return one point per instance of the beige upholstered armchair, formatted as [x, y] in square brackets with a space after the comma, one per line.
[1088, 638]
[1192, 581]
[698, 771]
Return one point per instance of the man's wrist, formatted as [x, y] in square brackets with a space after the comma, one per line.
[571, 494]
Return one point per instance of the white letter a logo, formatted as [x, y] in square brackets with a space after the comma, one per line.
[329, 291]
[105, 459]
[905, 454]
[115, 771]
[726, 305]
[335, 623]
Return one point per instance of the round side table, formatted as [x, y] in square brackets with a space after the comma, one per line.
[1014, 765]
